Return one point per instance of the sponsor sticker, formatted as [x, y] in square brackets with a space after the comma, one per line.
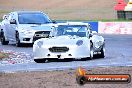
[82, 77]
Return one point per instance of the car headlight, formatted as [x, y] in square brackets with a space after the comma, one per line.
[39, 43]
[79, 42]
[26, 31]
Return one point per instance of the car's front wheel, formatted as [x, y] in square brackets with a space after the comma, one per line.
[18, 44]
[40, 60]
[3, 41]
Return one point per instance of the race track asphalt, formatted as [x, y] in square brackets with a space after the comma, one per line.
[118, 53]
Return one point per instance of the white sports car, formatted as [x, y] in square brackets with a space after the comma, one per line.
[73, 40]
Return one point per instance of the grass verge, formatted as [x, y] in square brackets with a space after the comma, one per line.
[3, 55]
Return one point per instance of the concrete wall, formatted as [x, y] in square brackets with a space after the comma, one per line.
[115, 27]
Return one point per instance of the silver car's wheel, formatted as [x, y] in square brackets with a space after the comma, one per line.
[18, 44]
[3, 41]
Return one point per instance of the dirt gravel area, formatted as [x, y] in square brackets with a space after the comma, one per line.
[10, 57]
[59, 79]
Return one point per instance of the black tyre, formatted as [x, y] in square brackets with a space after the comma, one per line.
[18, 44]
[85, 59]
[102, 55]
[91, 51]
[40, 60]
[3, 41]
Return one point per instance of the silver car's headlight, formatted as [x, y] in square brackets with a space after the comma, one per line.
[27, 32]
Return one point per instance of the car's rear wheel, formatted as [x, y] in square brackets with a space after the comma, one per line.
[3, 41]
[40, 60]
[18, 44]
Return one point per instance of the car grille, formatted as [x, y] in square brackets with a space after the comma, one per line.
[44, 34]
[41, 34]
[58, 49]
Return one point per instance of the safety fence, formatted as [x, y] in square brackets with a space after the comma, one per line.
[112, 27]
[115, 27]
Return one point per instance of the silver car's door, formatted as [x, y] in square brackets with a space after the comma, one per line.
[6, 24]
[12, 31]
[12, 27]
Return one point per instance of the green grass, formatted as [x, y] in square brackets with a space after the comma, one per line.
[3, 55]
[103, 20]
[0, 20]
[4, 11]
[116, 20]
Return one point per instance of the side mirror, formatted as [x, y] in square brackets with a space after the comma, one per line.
[54, 22]
[4, 17]
[13, 21]
[90, 35]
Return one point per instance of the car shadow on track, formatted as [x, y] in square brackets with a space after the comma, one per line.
[22, 46]
[72, 59]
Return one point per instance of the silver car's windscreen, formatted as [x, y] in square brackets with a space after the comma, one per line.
[72, 30]
[33, 18]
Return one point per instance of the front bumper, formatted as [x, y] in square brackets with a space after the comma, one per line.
[73, 52]
[31, 38]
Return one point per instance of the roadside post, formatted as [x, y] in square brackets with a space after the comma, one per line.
[128, 10]
[119, 7]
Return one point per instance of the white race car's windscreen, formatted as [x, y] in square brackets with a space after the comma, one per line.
[73, 30]
[33, 18]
